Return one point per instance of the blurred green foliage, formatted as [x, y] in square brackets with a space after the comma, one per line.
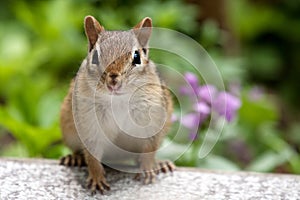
[42, 44]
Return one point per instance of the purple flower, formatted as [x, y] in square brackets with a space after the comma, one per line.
[207, 100]
[207, 93]
[226, 105]
[193, 84]
[193, 135]
[202, 108]
[191, 120]
[187, 90]
[192, 79]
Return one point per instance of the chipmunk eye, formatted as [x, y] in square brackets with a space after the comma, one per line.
[136, 58]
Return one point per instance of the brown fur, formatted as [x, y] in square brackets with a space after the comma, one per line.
[115, 52]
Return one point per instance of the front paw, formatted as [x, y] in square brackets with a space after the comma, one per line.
[165, 166]
[148, 174]
[97, 183]
[74, 160]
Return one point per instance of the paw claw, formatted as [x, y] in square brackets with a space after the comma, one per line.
[171, 166]
[149, 176]
[73, 160]
[97, 184]
[137, 177]
[166, 166]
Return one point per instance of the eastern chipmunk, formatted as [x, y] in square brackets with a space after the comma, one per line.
[120, 103]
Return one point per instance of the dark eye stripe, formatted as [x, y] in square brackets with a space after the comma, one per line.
[95, 59]
[145, 50]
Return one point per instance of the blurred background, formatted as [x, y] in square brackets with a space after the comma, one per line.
[255, 44]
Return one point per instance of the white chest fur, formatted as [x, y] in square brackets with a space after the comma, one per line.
[112, 125]
[134, 115]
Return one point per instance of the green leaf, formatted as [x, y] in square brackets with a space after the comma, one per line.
[249, 19]
[15, 150]
[48, 108]
[36, 139]
[255, 113]
[266, 162]
[218, 163]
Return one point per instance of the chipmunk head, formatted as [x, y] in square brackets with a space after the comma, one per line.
[117, 57]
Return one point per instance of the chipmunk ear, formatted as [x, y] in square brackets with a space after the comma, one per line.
[92, 30]
[143, 31]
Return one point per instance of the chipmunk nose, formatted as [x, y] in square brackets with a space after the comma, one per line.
[114, 78]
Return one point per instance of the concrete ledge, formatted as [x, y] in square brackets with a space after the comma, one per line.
[45, 179]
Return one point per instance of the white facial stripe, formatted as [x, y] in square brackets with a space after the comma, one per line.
[97, 47]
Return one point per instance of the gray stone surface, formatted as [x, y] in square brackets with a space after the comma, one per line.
[45, 179]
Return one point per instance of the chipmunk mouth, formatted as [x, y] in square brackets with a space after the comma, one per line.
[114, 89]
